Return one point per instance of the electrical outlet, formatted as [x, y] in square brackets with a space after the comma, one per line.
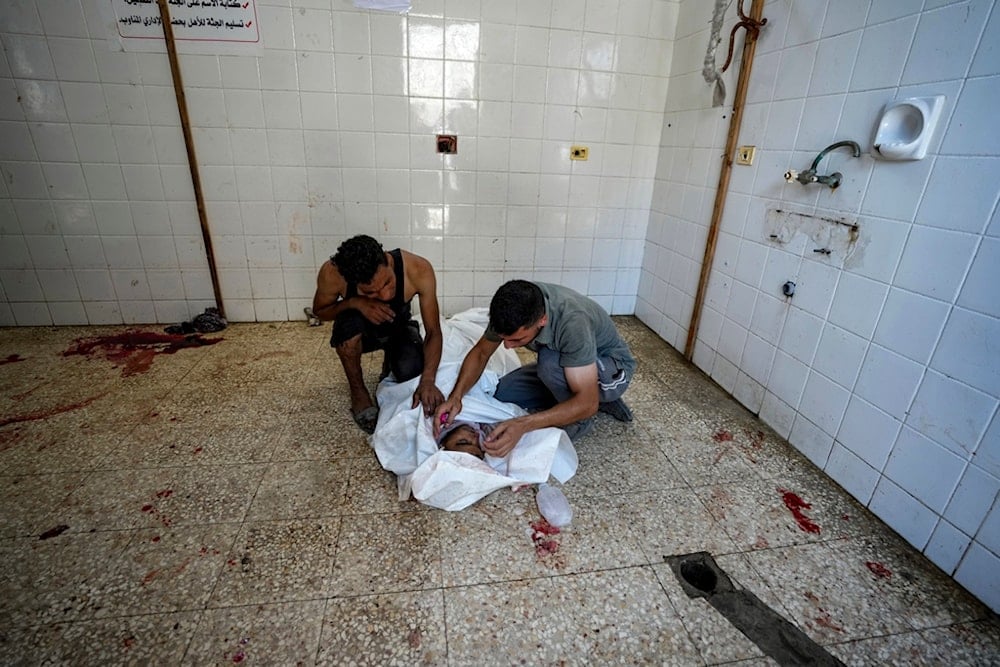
[447, 143]
[745, 154]
[578, 152]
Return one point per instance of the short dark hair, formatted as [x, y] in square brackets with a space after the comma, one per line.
[358, 258]
[516, 304]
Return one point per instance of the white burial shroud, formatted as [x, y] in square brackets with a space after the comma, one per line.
[404, 440]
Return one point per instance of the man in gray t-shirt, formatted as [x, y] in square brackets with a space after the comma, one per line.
[583, 364]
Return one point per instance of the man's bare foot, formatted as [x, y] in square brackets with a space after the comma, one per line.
[365, 414]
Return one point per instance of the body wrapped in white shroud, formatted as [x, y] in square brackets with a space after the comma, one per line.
[404, 440]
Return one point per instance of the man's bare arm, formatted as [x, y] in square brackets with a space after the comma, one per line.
[330, 298]
[582, 381]
[425, 283]
[472, 368]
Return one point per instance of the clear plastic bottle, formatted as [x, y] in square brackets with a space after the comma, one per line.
[553, 505]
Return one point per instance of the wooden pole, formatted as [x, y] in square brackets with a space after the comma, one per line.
[199, 196]
[746, 65]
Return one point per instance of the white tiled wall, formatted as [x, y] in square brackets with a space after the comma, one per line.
[883, 368]
[327, 131]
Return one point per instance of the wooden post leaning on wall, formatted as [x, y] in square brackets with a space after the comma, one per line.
[735, 121]
[199, 196]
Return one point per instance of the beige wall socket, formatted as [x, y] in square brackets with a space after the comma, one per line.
[745, 154]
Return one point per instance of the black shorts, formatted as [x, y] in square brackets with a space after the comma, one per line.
[401, 340]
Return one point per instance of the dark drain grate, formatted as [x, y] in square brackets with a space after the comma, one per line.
[701, 577]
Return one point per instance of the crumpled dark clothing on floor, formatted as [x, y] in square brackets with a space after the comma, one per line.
[207, 322]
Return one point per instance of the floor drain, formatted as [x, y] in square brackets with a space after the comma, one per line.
[701, 577]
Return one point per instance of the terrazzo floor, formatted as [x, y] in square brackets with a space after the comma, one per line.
[216, 505]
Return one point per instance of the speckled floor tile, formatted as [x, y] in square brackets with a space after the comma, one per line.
[278, 561]
[503, 537]
[321, 436]
[976, 643]
[122, 499]
[160, 442]
[624, 616]
[396, 629]
[907, 648]
[30, 504]
[130, 640]
[614, 617]
[508, 623]
[171, 569]
[687, 441]
[301, 489]
[831, 596]
[61, 443]
[619, 463]
[372, 490]
[755, 515]
[265, 634]
[915, 587]
[386, 553]
[67, 577]
[671, 522]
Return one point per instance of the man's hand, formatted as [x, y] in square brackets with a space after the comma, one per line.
[375, 311]
[450, 410]
[505, 437]
[428, 395]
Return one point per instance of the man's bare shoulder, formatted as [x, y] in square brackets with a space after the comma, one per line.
[329, 275]
[416, 267]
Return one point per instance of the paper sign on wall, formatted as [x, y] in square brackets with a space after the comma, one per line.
[192, 20]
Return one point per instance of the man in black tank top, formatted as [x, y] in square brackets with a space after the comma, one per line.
[364, 290]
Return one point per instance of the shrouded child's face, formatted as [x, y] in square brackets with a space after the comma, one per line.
[463, 439]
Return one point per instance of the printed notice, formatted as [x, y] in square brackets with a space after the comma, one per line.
[192, 20]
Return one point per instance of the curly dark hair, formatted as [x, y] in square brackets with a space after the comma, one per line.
[358, 258]
[516, 304]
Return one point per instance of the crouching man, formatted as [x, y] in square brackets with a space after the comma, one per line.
[583, 364]
[367, 291]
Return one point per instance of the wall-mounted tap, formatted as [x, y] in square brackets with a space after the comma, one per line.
[810, 175]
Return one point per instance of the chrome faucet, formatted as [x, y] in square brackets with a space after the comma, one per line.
[810, 175]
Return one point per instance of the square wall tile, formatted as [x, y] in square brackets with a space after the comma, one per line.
[924, 469]
[953, 199]
[800, 335]
[977, 572]
[979, 291]
[966, 343]
[945, 43]
[888, 45]
[968, 132]
[857, 304]
[889, 237]
[852, 473]
[868, 433]
[812, 441]
[910, 324]
[903, 513]
[951, 413]
[823, 402]
[972, 501]
[839, 355]
[946, 547]
[888, 381]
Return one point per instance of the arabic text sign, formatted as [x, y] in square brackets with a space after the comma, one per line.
[193, 20]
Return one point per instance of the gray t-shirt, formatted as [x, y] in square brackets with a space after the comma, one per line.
[579, 330]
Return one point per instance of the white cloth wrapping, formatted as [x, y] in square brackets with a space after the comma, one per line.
[404, 439]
